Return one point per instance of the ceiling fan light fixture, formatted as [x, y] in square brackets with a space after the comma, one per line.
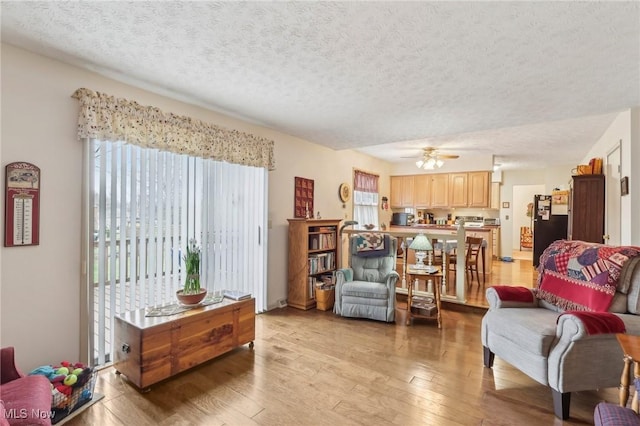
[429, 164]
[431, 159]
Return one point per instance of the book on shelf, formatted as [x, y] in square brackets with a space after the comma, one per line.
[322, 242]
[321, 262]
[236, 294]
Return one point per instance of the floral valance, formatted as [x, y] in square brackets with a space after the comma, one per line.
[107, 118]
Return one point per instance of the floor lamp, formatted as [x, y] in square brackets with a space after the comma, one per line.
[344, 225]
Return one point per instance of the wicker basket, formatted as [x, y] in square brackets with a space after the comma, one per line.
[325, 299]
[63, 405]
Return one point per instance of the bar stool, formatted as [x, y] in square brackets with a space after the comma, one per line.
[473, 249]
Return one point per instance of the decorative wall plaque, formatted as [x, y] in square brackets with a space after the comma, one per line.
[303, 198]
[22, 205]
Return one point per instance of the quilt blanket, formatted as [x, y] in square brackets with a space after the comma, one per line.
[580, 276]
[372, 245]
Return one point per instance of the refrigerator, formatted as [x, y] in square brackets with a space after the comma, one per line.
[550, 222]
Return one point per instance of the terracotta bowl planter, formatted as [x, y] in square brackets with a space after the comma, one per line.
[191, 299]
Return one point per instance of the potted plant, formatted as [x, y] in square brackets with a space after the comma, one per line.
[191, 293]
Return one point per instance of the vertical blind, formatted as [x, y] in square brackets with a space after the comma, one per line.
[145, 207]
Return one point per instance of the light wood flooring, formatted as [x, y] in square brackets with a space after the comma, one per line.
[520, 272]
[315, 368]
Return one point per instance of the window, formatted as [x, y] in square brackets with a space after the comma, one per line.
[365, 198]
[144, 206]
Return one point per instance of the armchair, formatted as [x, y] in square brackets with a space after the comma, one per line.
[367, 289]
[24, 400]
[562, 334]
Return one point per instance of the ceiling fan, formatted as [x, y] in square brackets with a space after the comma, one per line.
[431, 158]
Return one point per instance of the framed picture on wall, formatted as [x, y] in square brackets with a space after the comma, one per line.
[624, 185]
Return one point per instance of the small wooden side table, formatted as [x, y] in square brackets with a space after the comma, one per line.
[631, 349]
[421, 274]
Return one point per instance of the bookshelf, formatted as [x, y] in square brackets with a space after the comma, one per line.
[313, 253]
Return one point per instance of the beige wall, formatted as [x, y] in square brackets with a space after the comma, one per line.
[41, 285]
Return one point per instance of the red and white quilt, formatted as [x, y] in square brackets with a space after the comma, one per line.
[580, 276]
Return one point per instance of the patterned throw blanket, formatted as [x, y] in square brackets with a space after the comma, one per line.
[372, 245]
[579, 276]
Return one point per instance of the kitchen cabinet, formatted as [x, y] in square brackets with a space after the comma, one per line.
[402, 189]
[478, 189]
[495, 195]
[422, 184]
[443, 190]
[440, 190]
[495, 242]
[458, 190]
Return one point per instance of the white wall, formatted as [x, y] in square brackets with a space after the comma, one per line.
[522, 196]
[625, 130]
[40, 285]
[475, 163]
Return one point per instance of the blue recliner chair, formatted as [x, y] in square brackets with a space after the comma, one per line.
[367, 289]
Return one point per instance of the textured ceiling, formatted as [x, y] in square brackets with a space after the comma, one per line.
[533, 83]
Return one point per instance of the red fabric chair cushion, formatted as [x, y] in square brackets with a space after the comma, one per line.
[27, 401]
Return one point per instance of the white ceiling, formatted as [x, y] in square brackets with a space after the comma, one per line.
[533, 83]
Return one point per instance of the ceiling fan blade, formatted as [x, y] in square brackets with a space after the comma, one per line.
[450, 156]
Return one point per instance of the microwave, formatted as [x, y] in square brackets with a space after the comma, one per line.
[402, 219]
[491, 221]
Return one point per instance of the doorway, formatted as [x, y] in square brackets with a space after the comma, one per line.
[522, 216]
[612, 194]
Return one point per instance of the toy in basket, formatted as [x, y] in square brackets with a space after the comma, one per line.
[71, 387]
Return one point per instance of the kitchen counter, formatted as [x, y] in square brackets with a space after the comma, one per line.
[452, 227]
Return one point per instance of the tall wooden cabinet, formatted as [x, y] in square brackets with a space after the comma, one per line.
[313, 251]
[586, 208]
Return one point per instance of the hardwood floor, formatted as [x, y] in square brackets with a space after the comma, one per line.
[518, 273]
[315, 368]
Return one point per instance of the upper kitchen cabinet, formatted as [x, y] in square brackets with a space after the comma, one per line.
[478, 189]
[422, 184]
[495, 195]
[440, 190]
[458, 191]
[402, 189]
